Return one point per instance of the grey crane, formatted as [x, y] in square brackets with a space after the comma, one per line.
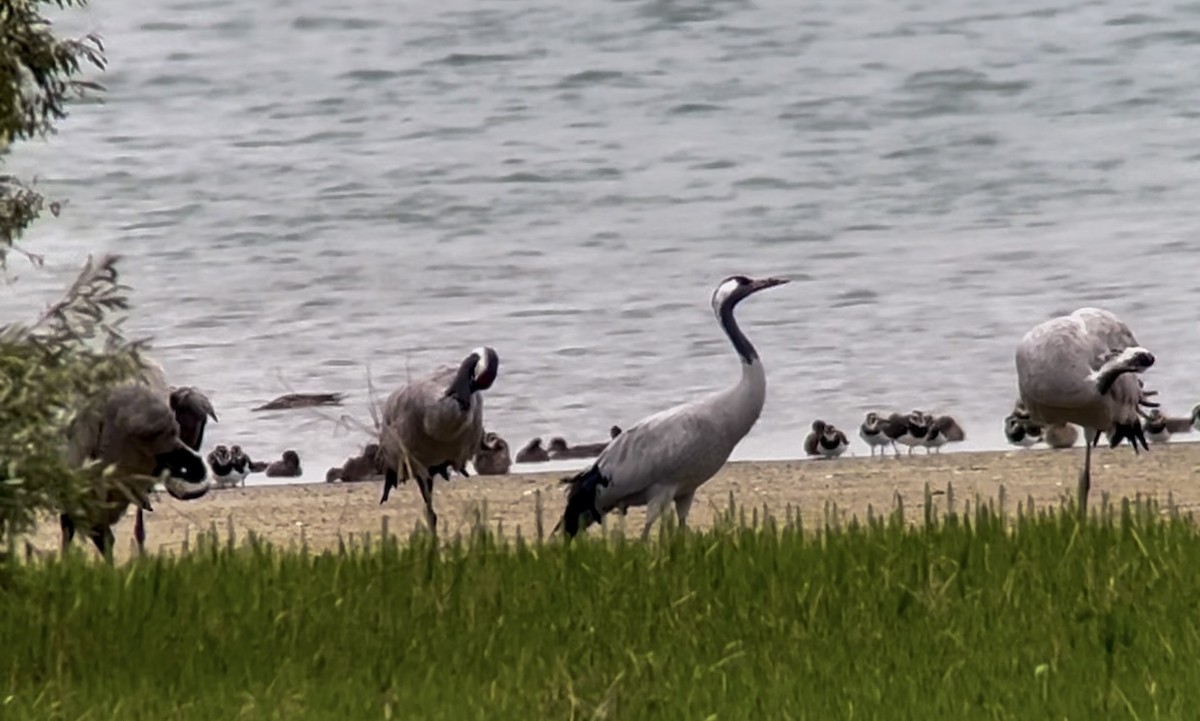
[434, 424]
[1080, 368]
[665, 457]
[133, 428]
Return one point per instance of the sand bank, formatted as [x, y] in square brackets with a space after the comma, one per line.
[321, 512]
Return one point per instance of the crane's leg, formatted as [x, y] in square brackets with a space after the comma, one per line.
[683, 504]
[1085, 479]
[102, 537]
[426, 486]
[67, 524]
[139, 530]
[391, 479]
[654, 509]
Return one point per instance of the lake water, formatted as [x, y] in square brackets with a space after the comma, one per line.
[303, 190]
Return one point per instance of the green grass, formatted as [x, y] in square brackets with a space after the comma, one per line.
[967, 617]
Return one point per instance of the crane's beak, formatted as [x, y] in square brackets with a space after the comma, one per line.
[764, 283]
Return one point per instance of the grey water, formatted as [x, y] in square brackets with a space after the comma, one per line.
[308, 190]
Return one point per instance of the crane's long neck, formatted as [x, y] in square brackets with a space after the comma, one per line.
[752, 389]
[741, 343]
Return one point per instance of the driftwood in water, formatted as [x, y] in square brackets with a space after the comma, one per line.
[302, 400]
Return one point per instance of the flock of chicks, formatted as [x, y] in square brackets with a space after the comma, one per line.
[920, 429]
[1021, 430]
[231, 465]
[492, 458]
[917, 429]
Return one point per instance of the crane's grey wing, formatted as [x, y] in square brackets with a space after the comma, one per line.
[136, 414]
[420, 419]
[154, 376]
[83, 433]
[1111, 341]
[680, 443]
[129, 423]
[1109, 330]
[407, 407]
[1054, 361]
[394, 435]
[441, 416]
[469, 436]
[676, 443]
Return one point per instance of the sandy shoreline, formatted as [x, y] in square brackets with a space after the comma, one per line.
[320, 511]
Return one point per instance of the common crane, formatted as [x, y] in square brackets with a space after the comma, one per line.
[665, 457]
[1081, 369]
[434, 424]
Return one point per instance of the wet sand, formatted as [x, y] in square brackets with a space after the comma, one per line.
[319, 513]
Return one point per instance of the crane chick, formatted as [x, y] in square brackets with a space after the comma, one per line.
[492, 458]
[825, 441]
[133, 429]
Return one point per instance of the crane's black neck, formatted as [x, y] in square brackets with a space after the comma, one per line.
[463, 384]
[741, 343]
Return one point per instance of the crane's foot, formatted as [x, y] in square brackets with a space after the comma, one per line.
[390, 480]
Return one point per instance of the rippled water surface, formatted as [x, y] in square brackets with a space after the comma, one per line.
[303, 190]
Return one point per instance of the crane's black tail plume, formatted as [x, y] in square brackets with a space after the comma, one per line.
[1131, 432]
[581, 500]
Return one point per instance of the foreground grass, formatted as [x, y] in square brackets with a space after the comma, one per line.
[967, 617]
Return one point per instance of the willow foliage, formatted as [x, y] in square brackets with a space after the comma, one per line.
[50, 366]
